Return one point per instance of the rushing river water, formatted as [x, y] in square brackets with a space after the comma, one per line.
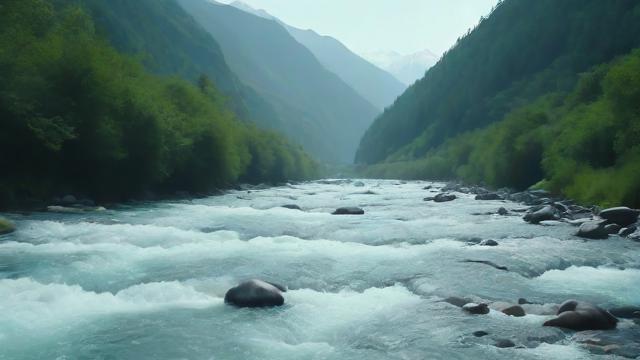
[147, 281]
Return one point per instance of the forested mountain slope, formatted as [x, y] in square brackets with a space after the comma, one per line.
[541, 93]
[77, 116]
[523, 50]
[168, 41]
[318, 109]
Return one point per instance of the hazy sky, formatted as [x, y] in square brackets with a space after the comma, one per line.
[405, 26]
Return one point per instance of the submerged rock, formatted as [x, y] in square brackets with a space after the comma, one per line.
[477, 309]
[291, 207]
[502, 211]
[622, 216]
[480, 333]
[580, 316]
[488, 242]
[504, 343]
[358, 184]
[626, 312]
[593, 230]
[457, 301]
[255, 293]
[6, 226]
[348, 211]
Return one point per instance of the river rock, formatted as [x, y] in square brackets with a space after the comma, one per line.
[514, 310]
[504, 343]
[444, 198]
[543, 214]
[580, 316]
[358, 184]
[6, 226]
[254, 293]
[478, 309]
[480, 333]
[593, 230]
[348, 211]
[502, 211]
[291, 207]
[457, 301]
[624, 232]
[489, 196]
[626, 312]
[488, 242]
[622, 216]
[612, 228]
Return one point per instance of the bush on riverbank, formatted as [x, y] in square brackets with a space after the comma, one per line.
[584, 144]
[77, 116]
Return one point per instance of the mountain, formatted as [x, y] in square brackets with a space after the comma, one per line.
[539, 93]
[374, 84]
[168, 41]
[406, 68]
[317, 108]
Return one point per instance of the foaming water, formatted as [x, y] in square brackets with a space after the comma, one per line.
[147, 281]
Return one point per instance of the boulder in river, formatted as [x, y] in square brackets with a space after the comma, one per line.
[358, 184]
[478, 309]
[6, 226]
[348, 211]
[489, 196]
[580, 316]
[593, 230]
[622, 216]
[612, 228]
[502, 211]
[504, 343]
[541, 214]
[444, 197]
[626, 312]
[514, 310]
[255, 293]
[627, 231]
[488, 242]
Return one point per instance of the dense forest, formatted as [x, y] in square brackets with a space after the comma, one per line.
[78, 116]
[541, 93]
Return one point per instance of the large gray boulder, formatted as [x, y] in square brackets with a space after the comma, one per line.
[542, 214]
[593, 230]
[255, 293]
[622, 216]
[444, 198]
[581, 316]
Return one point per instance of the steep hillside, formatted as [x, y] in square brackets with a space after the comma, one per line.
[318, 109]
[374, 84]
[169, 42]
[523, 50]
[377, 86]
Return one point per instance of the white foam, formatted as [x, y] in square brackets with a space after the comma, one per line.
[619, 285]
[28, 304]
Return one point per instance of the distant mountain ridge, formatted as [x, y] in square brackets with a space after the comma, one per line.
[376, 85]
[317, 108]
[406, 68]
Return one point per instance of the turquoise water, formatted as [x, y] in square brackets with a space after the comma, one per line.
[147, 281]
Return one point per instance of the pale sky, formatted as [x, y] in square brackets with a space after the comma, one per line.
[405, 26]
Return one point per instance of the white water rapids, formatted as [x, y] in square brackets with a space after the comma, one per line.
[147, 281]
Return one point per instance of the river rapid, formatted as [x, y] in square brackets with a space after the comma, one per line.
[147, 281]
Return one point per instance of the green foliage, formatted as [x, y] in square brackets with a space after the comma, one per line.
[584, 144]
[76, 115]
[524, 50]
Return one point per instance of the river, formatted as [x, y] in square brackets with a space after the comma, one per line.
[147, 281]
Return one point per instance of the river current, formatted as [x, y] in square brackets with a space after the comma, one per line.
[147, 280]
